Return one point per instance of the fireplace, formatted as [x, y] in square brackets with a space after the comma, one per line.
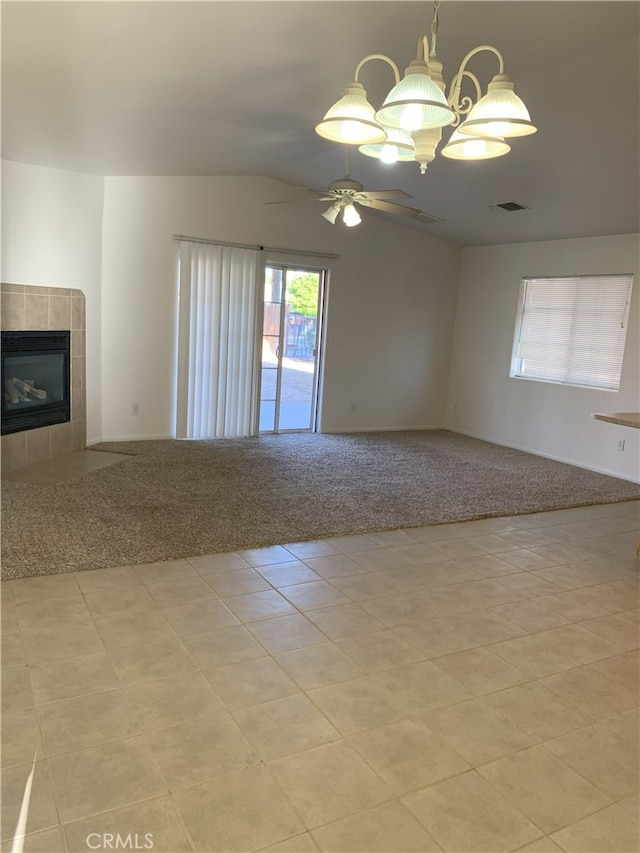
[36, 383]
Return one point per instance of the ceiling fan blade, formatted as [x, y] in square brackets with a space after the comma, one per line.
[397, 209]
[385, 194]
[317, 196]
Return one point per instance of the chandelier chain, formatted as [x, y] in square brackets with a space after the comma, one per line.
[434, 27]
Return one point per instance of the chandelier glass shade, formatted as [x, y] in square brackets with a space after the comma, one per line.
[351, 119]
[397, 147]
[462, 146]
[419, 104]
[416, 102]
[500, 113]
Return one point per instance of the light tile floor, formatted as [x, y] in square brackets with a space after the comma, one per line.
[462, 687]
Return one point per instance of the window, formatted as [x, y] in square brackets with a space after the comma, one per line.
[572, 330]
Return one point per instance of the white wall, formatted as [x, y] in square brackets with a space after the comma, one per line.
[52, 237]
[551, 420]
[390, 310]
[392, 301]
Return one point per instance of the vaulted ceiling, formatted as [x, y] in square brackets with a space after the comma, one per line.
[236, 88]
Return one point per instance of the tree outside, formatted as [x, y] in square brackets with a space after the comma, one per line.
[302, 294]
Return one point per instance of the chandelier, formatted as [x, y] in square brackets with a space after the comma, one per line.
[408, 125]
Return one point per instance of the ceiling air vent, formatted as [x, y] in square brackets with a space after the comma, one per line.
[509, 206]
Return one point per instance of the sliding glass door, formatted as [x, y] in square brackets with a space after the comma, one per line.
[291, 344]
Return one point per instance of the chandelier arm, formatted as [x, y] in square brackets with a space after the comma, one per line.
[463, 105]
[382, 56]
[456, 83]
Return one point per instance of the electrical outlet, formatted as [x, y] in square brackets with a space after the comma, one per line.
[477, 413]
[621, 445]
[455, 408]
[135, 409]
[353, 407]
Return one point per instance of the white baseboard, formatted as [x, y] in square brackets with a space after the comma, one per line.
[544, 455]
[356, 429]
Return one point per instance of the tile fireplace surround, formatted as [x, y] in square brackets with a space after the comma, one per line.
[48, 308]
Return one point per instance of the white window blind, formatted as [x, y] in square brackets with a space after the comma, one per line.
[573, 330]
[217, 341]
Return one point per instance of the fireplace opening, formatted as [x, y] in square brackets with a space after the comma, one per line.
[36, 383]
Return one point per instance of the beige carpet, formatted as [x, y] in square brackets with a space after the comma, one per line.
[173, 499]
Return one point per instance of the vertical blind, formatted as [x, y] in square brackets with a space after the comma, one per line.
[573, 330]
[218, 312]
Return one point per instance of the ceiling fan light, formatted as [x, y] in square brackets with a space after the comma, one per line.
[351, 217]
[499, 113]
[331, 213]
[397, 147]
[462, 146]
[416, 102]
[351, 120]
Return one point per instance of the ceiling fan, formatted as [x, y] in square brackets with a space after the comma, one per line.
[345, 193]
